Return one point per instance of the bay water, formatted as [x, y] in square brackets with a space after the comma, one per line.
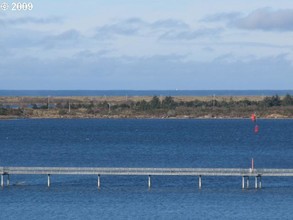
[175, 143]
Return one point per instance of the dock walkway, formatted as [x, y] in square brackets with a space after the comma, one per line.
[98, 171]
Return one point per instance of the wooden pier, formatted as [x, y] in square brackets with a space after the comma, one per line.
[245, 174]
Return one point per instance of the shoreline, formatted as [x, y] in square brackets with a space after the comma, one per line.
[149, 118]
[146, 107]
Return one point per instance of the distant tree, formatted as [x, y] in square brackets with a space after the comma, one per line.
[3, 111]
[91, 105]
[34, 106]
[62, 112]
[168, 103]
[246, 102]
[287, 100]
[44, 107]
[103, 104]
[142, 105]
[272, 101]
[155, 103]
[189, 104]
[59, 105]
[276, 100]
[124, 105]
[66, 106]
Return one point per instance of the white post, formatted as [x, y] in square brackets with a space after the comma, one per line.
[259, 184]
[149, 181]
[199, 182]
[2, 180]
[242, 182]
[247, 182]
[99, 182]
[49, 180]
[255, 182]
[8, 180]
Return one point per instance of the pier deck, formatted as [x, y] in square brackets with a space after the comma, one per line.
[98, 171]
[146, 171]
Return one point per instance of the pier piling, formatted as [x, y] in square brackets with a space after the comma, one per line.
[2, 180]
[243, 185]
[247, 182]
[259, 184]
[149, 182]
[49, 180]
[199, 182]
[8, 180]
[99, 181]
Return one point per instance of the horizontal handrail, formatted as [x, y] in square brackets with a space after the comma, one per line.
[147, 171]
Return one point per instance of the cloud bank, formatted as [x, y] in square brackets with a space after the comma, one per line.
[164, 72]
[265, 19]
[168, 29]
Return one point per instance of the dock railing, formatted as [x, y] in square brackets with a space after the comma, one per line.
[98, 171]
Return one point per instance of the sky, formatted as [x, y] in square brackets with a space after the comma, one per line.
[147, 45]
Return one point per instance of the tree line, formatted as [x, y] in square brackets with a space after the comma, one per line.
[156, 104]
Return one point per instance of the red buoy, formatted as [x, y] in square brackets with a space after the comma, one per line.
[256, 129]
[253, 117]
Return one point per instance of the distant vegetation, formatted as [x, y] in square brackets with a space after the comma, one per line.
[146, 107]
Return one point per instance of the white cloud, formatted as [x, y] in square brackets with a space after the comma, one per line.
[220, 17]
[168, 29]
[265, 19]
[191, 34]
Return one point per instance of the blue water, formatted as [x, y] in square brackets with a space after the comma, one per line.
[145, 143]
[144, 92]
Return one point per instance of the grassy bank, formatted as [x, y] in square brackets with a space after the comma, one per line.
[146, 107]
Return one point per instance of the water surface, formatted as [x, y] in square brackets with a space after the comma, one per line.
[145, 143]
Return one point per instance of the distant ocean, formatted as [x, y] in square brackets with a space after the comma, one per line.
[144, 92]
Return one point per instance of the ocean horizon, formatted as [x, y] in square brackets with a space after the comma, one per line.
[144, 92]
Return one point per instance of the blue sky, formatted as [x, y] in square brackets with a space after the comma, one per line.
[155, 44]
